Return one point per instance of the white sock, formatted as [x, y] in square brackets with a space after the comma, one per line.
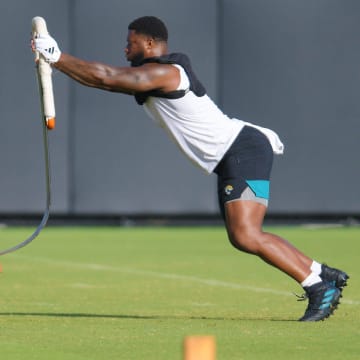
[311, 280]
[315, 267]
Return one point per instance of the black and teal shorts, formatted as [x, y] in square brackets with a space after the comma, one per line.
[244, 171]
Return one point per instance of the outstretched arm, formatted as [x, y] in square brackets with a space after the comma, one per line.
[128, 80]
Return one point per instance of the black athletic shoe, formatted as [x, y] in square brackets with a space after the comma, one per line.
[334, 276]
[323, 300]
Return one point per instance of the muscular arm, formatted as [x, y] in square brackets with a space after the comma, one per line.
[128, 80]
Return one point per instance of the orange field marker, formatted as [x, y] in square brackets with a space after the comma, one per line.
[199, 348]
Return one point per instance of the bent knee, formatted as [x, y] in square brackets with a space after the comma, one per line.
[247, 240]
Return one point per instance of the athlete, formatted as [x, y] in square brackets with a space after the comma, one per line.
[239, 153]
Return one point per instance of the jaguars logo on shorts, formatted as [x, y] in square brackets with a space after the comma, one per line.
[228, 189]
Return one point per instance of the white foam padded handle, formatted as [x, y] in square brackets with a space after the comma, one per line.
[44, 75]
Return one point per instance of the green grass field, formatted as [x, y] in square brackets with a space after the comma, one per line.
[133, 293]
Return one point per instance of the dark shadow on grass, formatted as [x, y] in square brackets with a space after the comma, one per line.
[141, 317]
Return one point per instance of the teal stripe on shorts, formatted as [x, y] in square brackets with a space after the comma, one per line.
[261, 188]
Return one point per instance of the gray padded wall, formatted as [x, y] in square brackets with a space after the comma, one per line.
[107, 156]
[294, 66]
[22, 177]
[288, 65]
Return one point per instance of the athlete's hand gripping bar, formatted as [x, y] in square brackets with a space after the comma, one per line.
[44, 46]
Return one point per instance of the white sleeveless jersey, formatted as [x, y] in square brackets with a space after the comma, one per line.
[200, 129]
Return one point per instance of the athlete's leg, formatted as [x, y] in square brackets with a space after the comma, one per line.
[244, 220]
[243, 189]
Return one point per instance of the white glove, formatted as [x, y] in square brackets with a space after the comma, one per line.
[48, 48]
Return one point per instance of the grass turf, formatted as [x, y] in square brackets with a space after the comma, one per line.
[134, 293]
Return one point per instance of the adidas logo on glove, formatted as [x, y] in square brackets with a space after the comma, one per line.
[48, 48]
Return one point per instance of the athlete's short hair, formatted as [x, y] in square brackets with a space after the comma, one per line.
[151, 26]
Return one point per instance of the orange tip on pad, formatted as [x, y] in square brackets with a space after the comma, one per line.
[50, 123]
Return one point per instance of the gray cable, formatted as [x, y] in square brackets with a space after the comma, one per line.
[48, 181]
